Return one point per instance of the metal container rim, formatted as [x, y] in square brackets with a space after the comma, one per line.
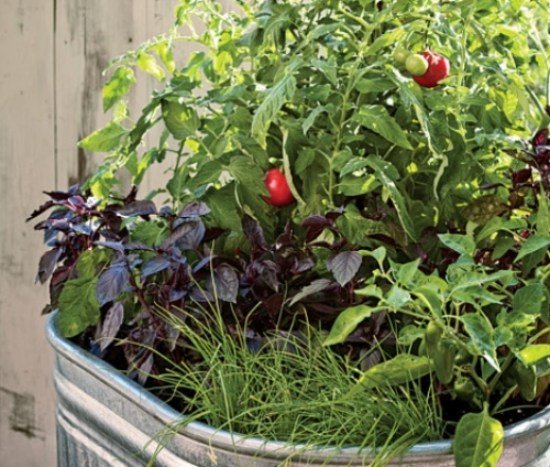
[213, 437]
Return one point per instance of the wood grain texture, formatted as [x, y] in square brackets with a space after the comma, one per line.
[27, 166]
[53, 55]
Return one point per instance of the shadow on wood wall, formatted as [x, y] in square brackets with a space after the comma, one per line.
[53, 53]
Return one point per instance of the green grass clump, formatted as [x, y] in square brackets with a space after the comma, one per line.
[292, 389]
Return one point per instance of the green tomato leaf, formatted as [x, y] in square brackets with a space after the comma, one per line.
[78, 306]
[481, 334]
[382, 173]
[272, 103]
[105, 139]
[182, 121]
[310, 120]
[247, 173]
[149, 65]
[532, 245]
[347, 321]
[376, 118]
[479, 440]
[118, 86]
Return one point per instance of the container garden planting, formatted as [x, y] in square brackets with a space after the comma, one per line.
[349, 263]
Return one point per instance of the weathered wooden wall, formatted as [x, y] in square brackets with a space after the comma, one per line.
[52, 55]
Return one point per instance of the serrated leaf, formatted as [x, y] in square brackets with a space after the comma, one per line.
[479, 440]
[347, 321]
[247, 173]
[149, 64]
[344, 266]
[181, 120]
[376, 118]
[532, 245]
[118, 86]
[398, 200]
[78, 306]
[105, 139]
[272, 103]
[304, 160]
[310, 120]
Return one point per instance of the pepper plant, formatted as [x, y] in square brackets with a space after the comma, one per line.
[380, 167]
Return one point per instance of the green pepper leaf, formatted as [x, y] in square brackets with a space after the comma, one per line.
[479, 440]
[347, 321]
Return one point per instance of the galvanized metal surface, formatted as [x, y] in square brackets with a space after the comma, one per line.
[105, 419]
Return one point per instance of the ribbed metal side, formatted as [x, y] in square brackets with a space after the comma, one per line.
[106, 420]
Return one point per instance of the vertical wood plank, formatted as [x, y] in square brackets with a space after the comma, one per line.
[27, 166]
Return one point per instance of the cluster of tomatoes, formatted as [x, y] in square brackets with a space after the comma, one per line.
[427, 68]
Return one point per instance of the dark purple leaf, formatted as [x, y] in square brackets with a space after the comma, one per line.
[83, 229]
[315, 225]
[302, 265]
[47, 205]
[274, 304]
[254, 233]
[111, 325]
[201, 295]
[195, 209]
[175, 294]
[47, 264]
[267, 272]
[202, 263]
[212, 233]
[193, 238]
[540, 138]
[154, 266]
[315, 287]
[286, 239]
[227, 283]
[137, 246]
[189, 227]
[344, 266]
[112, 282]
[136, 208]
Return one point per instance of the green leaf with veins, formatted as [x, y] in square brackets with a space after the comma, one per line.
[78, 306]
[376, 118]
[478, 441]
[481, 333]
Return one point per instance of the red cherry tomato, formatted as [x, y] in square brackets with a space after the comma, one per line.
[438, 70]
[277, 186]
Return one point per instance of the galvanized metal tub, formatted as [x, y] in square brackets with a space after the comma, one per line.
[105, 419]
